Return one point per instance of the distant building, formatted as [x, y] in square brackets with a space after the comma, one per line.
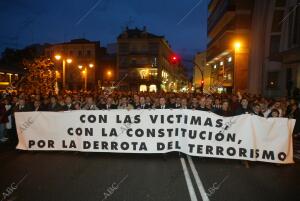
[107, 74]
[205, 76]
[143, 61]
[83, 53]
[10, 76]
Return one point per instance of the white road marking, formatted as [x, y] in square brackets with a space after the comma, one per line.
[188, 180]
[198, 180]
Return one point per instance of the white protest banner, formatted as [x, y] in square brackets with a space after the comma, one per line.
[196, 133]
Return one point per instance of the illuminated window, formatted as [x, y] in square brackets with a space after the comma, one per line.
[143, 88]
[152, 88]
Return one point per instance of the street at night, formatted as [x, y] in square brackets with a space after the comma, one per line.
[135, 100]
[79, 176]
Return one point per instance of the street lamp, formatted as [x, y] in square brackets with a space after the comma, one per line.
[68, 60]
[85, 72]
[237, 45]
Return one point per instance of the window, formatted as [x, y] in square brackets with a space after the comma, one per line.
[123, 48]
[296, 38]
[280, 3]
[152, 88]
[277, 17]
[79, 53]
[143, 88]
[274, 44]
[88, 53]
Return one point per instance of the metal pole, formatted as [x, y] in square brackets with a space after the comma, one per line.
[85, 80]
[64, 73]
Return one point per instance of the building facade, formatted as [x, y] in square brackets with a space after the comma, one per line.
[227, 55]
[143, 61]
[81, 71]
[264, 55]
[275, 48]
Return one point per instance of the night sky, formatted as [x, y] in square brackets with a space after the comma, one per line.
[24, 22]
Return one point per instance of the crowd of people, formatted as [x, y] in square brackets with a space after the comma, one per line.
[221, 104]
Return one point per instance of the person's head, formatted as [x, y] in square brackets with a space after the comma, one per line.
[109, 101]
[162, 101]
[234, 98]
[294, 106]
[148, 100]
[256, 108]
[77, 106]
[22, 101]
[172, 100]
[178, 100]
[53, 100]
[68, 100]
[15, 99]
[183, 102]
[6, 101]
[36, 103]
[208, 102]
[136, 98]
[225, 105]
[217, 101]
[274, 113]
[142, 100]
[202, 101]
[244, 103]
[292, 101]
[277, 105]
[194, 101]
[124, 100]
[90, 100]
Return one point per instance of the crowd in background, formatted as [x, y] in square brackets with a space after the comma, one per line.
[221, 104]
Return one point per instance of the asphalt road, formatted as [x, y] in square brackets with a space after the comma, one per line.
[75, 176]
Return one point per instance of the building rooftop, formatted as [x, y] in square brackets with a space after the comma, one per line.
[137, 33]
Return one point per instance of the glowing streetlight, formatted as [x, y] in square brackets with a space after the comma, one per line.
[237, 45]
[109, 73]
[57, 57]
[85, 73]
[68, 60]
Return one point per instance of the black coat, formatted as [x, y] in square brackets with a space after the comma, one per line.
[106, 107]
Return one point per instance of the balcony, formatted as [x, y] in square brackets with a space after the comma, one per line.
[219, 12]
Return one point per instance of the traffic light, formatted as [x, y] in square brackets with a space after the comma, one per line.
[174, 59]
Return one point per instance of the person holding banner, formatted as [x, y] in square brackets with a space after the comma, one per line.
[124, 104]
[225, 110]
[162, 104]
[90, 104]
[143, 104]
[109, 105]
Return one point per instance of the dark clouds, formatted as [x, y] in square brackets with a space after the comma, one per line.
[38, 21]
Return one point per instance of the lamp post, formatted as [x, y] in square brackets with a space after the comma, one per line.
[85, 71]
[64, 60]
